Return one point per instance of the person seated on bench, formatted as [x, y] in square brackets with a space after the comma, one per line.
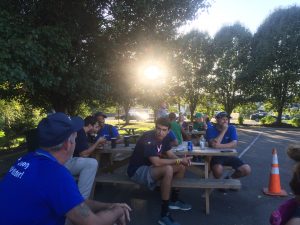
[106, 130]
[147, 166]
[223, 135]
[38, 189]
[79, 164]
[176, 128]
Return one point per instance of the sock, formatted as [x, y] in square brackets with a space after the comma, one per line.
[164, 208]
[174, 195]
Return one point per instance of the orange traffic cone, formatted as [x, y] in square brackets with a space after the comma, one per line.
[274, 181]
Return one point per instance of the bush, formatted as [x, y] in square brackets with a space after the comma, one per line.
[241, 120]
[295, 122]
[268, 120]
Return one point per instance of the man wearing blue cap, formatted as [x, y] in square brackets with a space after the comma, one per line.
[38, 189]
[223, 135]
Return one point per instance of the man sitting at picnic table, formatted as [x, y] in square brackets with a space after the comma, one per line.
[38, 189]
[147, 166]
[107, 131]
[199, 123]
[176, 128]
[223, 135]
[79, 164]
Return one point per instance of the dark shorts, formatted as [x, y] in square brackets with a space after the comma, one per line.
[232, 161]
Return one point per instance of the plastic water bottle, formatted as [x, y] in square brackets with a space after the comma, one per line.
[202, 142]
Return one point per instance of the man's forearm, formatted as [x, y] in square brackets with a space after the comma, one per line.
[96, 206]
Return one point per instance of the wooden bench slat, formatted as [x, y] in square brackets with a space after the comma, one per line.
[182, 183]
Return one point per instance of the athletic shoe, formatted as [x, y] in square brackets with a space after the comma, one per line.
[180, 205]
[167, 220]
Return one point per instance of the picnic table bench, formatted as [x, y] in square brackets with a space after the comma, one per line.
[195, 183]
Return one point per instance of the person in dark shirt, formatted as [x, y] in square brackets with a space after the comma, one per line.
[153, 160]
[79, 164]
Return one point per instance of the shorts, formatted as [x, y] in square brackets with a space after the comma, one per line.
[232, 161]
[143, 176]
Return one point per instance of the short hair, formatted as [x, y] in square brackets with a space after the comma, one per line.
[164, 122]
[295, 182]
[90, 120]
[172, 116]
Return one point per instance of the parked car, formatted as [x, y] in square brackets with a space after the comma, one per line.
[285, 117]
[258, 115]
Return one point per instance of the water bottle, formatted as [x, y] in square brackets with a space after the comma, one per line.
[202, 142]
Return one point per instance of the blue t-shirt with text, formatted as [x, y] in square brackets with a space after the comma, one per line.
[37, 190]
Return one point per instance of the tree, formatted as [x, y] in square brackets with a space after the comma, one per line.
[52, 52]
[195, 59]
[276, 56]
[232, 46]
[138, 32]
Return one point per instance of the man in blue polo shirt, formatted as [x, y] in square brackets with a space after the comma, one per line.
[106, 130]
[38, 189]
[223, 135]
[147, 166]
[80, 165]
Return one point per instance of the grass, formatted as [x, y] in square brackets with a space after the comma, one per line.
[141, 126]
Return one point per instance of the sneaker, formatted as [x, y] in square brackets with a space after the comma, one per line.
[180, 205]
[167, 220]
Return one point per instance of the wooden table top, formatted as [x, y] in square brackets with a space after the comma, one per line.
[177, 150]
[196, 132]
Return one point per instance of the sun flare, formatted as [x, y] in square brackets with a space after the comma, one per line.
[152, 72]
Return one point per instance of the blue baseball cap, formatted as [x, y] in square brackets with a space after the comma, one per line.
[222, 114]
[56, 128]
[100, 114]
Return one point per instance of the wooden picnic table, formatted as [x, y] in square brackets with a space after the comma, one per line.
[196, 132]
[129, 130]
[207, 153]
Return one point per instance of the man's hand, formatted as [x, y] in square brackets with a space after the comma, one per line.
[126, 210]
[101, 140]
[225, 127]
[186, 161]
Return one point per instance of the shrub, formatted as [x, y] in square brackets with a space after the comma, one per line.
[241, 120]
[268, 120]
[295, 122]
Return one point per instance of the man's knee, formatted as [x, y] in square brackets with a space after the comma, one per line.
[168, 171]
[245, 170]
[217, 170]
[93, 163]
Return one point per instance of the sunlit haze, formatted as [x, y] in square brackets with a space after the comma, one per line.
[250, 13]
[152, 72]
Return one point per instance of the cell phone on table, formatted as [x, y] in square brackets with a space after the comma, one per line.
[227, 150]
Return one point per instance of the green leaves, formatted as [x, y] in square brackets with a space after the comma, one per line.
[276, 55]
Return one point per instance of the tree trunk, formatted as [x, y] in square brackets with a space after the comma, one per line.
[126, 107]
[192, 109]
